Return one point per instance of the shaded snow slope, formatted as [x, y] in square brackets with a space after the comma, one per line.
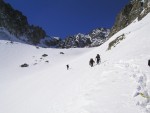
[7, 36]
[120, 84]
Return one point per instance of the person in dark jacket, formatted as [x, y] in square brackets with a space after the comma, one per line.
[67, 66]
[98, 58]
[148, 62]
[91, 62]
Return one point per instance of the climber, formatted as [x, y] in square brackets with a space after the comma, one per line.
[91, 62]
[67, 66]
[98, 58]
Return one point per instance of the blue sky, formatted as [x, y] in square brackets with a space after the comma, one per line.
[68, 17]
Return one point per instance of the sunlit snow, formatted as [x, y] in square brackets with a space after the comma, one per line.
[120, 84]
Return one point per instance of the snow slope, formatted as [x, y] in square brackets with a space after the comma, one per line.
[120, 84]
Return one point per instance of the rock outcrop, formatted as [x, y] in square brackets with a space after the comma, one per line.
[134, 9]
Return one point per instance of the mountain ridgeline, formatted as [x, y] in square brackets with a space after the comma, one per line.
[92, 39]
[16, 24]
[135, 9]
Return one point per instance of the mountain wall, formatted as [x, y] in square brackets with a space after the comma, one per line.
[94, 38]
[16, 23]
[134, 9]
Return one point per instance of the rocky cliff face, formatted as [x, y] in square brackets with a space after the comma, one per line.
[92, 39]
[99, 36]
[16, 23]
[134, 9]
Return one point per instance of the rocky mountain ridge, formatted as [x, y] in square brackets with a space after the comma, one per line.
[94, 38]
[134, 9]
[16, 24]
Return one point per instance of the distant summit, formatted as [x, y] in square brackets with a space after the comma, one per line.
[94, 38]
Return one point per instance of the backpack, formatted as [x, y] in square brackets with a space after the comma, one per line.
[149, 62]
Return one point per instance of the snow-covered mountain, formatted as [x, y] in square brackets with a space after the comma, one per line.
[95, 38]
[99, 36]
[120, 84]
[50, 42]
[14, 22]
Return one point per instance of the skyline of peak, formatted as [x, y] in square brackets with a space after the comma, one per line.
[64, 18]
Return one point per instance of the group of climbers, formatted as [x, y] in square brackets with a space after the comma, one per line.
[91, 62]
[97, 58]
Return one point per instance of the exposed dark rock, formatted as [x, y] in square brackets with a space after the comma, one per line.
[35, 64]
[24, 65]
[44, 55]
[47, 61]
[116, 41]
[37, 47]
[148, 62]
[11, 42]
[16, 23]
[51, 41]
[61, 52]
[128, 14]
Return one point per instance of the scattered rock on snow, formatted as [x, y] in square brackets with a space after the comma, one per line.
[11, 42]
[35, 64]
[47, 61]
[37, 47]
[61, 52]
[44, 55]
[24, 65]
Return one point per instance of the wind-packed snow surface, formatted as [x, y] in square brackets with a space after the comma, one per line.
[120, 84]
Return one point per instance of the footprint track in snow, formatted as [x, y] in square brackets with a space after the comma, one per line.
[142, 90]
